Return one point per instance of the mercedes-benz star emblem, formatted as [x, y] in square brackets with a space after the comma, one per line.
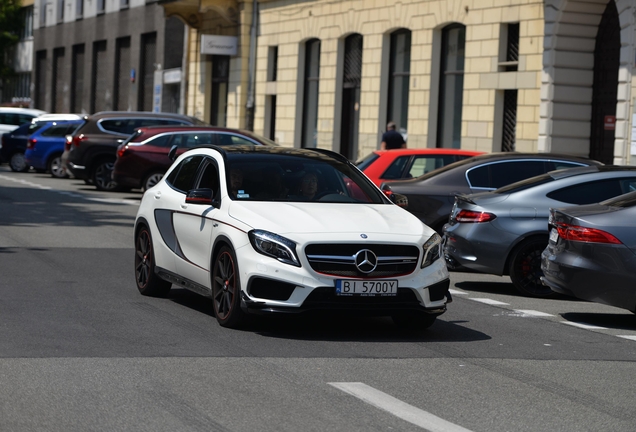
[366, 261]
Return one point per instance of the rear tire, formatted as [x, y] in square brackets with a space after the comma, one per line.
[152, 179]
[148, 282]
[55, 167]
[102, 178]
[226, 289]
[525, 269]
[17, 163]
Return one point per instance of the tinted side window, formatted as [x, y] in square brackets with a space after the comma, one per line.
[210, 177]
[395, 170]
[59, 130]
[229, 139]
[184, 176]
[497, 175]
[23, 118]
[592, 192]
[121, 126]
[160, 141]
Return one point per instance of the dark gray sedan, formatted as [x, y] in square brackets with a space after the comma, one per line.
[503, 232]
[431, 196]
[591, 253]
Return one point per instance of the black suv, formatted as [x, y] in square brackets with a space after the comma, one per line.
[91, 151]
[431, 196]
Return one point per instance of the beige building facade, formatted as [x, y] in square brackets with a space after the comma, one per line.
[488, 75]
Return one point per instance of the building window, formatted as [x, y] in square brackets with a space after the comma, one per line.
[123, 64]
[270, 98]
[40, 80]
[79, 9]
[60, 11]
[399, 79]
[220, 81]
[27, 16]
[101, 6]
[77, 78]
[310, 100]
[124, 4]
[101, 86]
[147, 70]
[451, 87]
[57, 81]
[509, 121]
[509, 48]
[351, 84]
[42, 13]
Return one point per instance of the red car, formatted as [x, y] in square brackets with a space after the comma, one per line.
[400, 164]
[143, 158]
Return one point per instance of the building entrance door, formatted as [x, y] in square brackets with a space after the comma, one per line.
[606, 61]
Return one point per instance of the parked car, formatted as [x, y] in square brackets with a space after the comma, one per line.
[431, 196]
[46, 144]
[90, 152]
[143, 158]
[219, 224]
[11, 118]
[14, 144]
[591, 252]
[504, 232]
[399, 164]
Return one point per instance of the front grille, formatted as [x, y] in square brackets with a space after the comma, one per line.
[340, 259]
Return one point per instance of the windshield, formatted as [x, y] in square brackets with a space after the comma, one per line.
[298, 178]
[368, 160]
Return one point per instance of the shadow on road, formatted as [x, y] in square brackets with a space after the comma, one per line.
[335, 327]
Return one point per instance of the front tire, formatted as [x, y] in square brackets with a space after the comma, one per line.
[525, 269]
[226, 289]
[17, 163]
[148, 282]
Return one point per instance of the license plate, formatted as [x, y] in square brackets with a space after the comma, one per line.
[345, 287]
[554, 235]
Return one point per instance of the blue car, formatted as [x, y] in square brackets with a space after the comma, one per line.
[46, 145]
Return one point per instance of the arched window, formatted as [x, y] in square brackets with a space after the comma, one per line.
[449, 131]
[310, 93]
[399, 78]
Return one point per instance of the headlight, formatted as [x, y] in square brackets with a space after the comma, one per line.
[432, 250]
[275, 246]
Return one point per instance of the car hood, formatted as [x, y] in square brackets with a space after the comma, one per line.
[285, 218]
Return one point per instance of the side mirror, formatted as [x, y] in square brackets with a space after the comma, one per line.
[203, 196]
[172, 154]
[399, 200]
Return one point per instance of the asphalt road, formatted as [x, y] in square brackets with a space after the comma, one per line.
[81, 350]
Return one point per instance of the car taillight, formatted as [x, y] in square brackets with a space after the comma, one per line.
[468, 216]
[31, 143]
[583, 234]
[77, 139]
[122, 150]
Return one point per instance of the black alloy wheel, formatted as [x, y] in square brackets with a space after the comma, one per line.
[102, 176]
[148, 282]
[226, 289]
[525, 269]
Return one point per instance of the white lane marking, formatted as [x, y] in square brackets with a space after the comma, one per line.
[584, 326]
[455, 292]
[490, 301]
[398, 408]
[630, 337]
[72, 194]
[534, 313]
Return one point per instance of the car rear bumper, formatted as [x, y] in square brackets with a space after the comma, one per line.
[78, 171]
[606, 278]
